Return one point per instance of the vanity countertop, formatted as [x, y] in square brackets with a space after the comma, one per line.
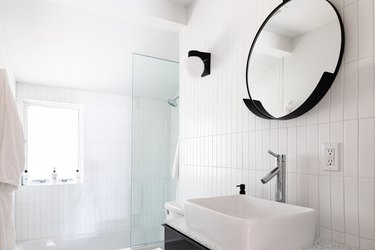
[320, 244]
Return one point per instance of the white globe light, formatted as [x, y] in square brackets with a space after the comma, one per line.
[194, 66]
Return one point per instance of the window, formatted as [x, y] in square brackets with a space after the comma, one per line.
[54, 134]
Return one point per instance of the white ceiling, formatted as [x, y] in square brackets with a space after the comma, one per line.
[69, 44]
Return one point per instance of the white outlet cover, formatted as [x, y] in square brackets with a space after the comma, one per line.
[335, 165]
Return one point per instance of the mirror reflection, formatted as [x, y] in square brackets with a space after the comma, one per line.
[300, 42]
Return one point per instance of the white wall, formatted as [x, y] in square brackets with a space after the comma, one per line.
[2, 34]
[4, 63]
[102, 202]
[223, 144]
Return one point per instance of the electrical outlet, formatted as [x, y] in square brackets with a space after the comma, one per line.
[331, 157]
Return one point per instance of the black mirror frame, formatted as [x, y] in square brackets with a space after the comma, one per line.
[256, 107]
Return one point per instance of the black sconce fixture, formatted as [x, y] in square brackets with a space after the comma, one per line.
[198, 63]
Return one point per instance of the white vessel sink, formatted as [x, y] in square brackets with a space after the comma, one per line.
[241, 222]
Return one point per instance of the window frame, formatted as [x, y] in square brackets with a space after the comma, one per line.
[61, 105]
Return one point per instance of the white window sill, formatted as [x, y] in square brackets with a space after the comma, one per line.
[50, 183]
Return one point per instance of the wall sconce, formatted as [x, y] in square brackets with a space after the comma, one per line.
[198, 63]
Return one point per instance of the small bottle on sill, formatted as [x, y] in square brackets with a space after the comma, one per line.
[25, 178]
[54, 176]
[78, 176]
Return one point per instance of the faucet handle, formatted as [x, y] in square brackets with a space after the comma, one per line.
[273, 154]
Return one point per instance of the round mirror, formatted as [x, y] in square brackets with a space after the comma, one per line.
[294, 58]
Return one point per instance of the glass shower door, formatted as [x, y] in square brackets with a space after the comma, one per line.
[154, 139]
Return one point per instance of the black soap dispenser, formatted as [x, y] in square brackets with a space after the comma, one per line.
[242, 188]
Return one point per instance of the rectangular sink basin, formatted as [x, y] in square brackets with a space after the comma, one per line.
[241, 222]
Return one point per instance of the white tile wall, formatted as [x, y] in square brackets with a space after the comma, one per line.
[102, 202]
[223, 144]
[4, 60]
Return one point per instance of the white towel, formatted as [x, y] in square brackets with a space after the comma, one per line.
[7, 234]
[12, 160]
[12, 142]
[176, 163]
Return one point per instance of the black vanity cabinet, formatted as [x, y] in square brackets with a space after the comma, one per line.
[174, 240]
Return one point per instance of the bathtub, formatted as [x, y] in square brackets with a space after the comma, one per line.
[105, 241]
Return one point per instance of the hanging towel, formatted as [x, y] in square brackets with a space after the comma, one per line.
[7, 234]
[12, 142]
[12, 160]
[176, 163]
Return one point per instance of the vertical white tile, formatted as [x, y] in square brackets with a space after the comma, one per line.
[366, 209]
[367, 244]
[259, 150]
[268, 160]
[365, 28]
[349, 2]
[283, 141]
[252, 150]
[245, 117]
[312, 116]
[239, 151]
[302, 190]
[338, 237]
[351, 91]
[292, 149]
[324, 108]
[252, 181]
[302, 150]
[291, 188]
[366, 87]
[339, 4]
[325, 233]
[351, 30]
[259, 185]
[337, 136]
[337, 204]
[351, 148]
[325, 202]
[252, 120]
[366, 148]
[352, 240]
[246, 151]
[337, 97]
[258, 123]
[313, 194]
[351, 205]
[274, 146]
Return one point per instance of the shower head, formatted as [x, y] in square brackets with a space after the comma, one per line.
[173, 102]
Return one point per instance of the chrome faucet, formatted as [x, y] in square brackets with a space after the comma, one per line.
[280, 172]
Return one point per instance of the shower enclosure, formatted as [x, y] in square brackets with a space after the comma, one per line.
[154, 141]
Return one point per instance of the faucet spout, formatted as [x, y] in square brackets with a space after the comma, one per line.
[270, 175]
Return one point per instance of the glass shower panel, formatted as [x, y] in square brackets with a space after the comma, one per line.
[155, 134]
